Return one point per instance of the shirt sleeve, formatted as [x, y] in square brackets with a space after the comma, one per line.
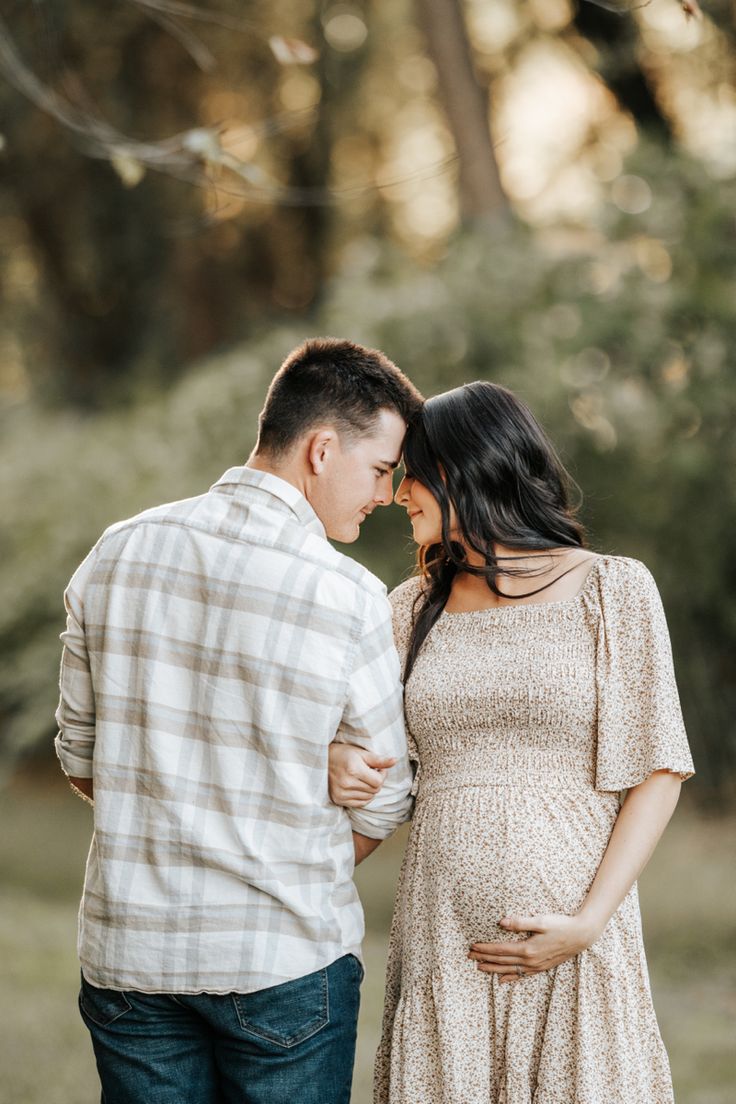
[75, 715]
[373, 719]
[640, 725]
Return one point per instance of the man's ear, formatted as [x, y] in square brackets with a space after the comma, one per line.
[322, 442]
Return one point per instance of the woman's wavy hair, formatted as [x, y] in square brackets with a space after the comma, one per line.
[480, 450]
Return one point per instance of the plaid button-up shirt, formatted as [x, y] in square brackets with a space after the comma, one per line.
[214, 648]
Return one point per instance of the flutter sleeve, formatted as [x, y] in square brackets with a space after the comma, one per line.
[402, 601]
[640, 725]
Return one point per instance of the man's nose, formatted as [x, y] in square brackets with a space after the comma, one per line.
[385, 493]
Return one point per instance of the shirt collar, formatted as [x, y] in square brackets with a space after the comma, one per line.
[279, 488]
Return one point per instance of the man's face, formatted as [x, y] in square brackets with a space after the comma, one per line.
[356, 476]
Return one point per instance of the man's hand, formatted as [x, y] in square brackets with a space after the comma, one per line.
[355, 775]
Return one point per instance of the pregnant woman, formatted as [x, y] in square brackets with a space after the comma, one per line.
[538, 686]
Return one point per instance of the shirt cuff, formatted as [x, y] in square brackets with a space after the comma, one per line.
[74, 761]
[379, 825]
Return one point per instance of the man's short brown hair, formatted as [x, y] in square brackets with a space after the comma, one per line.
[330, 381]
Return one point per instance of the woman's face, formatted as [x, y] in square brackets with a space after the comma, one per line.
[423, 510]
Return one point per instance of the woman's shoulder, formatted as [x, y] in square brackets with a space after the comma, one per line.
[623, 570]
[625, 579]
[403, 597]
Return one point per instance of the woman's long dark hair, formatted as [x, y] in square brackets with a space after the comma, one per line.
[480, 450]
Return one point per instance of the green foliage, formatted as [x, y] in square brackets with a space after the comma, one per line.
[621, 341]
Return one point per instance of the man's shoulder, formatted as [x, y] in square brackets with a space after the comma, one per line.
[176, 512]
[287, 537]
[343, 567]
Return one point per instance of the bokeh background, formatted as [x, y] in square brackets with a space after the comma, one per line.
[538, 192]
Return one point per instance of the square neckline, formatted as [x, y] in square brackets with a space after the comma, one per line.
[559, 603]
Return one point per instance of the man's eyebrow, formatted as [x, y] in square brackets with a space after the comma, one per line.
[393, 464]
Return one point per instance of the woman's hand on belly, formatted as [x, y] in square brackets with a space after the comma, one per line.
[552, 939]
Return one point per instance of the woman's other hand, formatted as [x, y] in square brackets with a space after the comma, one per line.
[355, 775]
[552, 939]
[555, 937]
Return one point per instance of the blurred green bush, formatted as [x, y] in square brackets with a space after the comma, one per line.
[621, 339]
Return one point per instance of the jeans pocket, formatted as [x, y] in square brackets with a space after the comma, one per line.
[358, 967]
[102, 1006]
[286, 1014]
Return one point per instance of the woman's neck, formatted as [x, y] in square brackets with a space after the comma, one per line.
[561, 568]
[512, 557]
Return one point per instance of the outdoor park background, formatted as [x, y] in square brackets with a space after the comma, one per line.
[534, 191]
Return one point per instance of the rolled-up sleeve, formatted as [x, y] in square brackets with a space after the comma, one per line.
[75, 715]
[374, 719]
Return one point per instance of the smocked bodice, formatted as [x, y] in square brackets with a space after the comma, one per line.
[546, 691]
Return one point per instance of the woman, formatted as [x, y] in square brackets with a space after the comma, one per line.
[538, 686]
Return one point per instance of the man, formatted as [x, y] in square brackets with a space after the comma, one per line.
[214, 649]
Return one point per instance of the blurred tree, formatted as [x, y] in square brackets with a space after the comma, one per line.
[296, 151]
[135, 278]
[101, 267]
[466, 103]
[307, 228]
[615, 39]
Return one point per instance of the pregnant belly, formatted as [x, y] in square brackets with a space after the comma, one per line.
[481, 853]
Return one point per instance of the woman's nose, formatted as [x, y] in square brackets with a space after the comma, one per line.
[402, 492]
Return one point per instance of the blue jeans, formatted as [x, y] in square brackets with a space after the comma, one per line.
[290, 1043]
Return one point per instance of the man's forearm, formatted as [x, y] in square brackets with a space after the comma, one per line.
[84, 787]
[364, 846]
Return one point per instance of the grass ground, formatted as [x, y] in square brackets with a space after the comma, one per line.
[688, 902]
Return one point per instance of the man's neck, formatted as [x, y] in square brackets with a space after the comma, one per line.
[287, 472]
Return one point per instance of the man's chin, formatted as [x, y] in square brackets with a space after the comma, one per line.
[345, 534]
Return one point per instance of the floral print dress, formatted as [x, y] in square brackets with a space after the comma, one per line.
[526, 722]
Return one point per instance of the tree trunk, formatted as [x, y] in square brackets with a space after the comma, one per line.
[615, 39]
[466, 104]
[306, 232]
